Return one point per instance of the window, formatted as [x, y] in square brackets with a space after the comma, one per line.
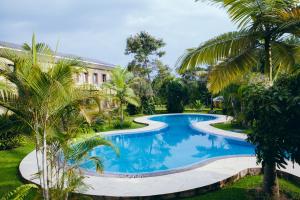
[77, 78]
[86, 77]
[95, 78]
[103, 78]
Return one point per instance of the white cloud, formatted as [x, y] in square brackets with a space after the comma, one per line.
[99, 29]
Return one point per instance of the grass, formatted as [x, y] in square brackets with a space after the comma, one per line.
[231, 127]
[9, 164]
[134, 125]
[246, 189]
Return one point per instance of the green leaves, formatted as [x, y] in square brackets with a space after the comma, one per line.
[20, 193]
[263, 27]
[80, 149]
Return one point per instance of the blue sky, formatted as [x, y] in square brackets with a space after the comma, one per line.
[99, 28]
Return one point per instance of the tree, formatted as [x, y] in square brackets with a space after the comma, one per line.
[176, 95]
[40, 98]
[145, 49]
[195, 81]
[120, 84]
[274, 114]
[163, 75]
[259, 44]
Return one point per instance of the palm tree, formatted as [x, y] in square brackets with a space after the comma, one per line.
[40, 99]
[120, 85]
[259, 44]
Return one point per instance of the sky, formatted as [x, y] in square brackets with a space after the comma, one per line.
[98, 28]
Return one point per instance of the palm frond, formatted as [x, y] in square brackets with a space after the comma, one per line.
[98, 164]
[231, 69]
[20, 193]
[80, 149]
[215, 50]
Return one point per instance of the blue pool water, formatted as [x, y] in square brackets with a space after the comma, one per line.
[177, 146]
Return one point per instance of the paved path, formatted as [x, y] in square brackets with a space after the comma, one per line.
[208, 174]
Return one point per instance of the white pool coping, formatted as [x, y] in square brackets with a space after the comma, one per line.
[208, 174]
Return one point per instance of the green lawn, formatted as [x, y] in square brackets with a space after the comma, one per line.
[231, 127]
[246, 189]
[9, 163]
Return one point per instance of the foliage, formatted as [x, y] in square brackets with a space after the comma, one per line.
[47, 101]
[20, 193]
[145, 49]
[12, 130]
[176, 96]
[124, 124]
[259, 45]
[274, 114]
[148, 106]
[120, 84]
[163, 75]
[97, 124]
[198, 105]
[132, 109]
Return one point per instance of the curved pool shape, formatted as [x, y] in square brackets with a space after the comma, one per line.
[176, 147]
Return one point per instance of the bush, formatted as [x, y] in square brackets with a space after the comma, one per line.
[176, 95]
[147, 105]
[120, 125]
[10, 131]
[198, 105]
[132, 109]
[9, 141]
[97, 124]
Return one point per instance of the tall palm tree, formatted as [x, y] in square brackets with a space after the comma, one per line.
[260, 42]
[40, 99]
[120, 85]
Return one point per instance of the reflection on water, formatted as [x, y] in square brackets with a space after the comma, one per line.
[176, 146]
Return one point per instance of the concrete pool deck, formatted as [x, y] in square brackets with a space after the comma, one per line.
[185, 183]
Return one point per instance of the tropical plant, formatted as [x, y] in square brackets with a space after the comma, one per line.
[42, 100]
[120, 85]
[11, 131]
[20, 193]
[274, 113]
[198, 105]
[260, 43]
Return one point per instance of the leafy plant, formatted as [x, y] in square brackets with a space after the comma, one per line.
[198, 105]
[259, 45]
[47, 101]
[124, 124]
[120, 85]
[176, 95]
[274, 113]
[20, 193]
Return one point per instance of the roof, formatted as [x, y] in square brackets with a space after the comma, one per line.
[94, 62]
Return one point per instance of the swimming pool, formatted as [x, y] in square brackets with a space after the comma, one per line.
[175, 147]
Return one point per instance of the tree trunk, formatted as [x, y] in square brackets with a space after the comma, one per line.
[122, 114]
[211, 103]
[270, 182]
[45, 167]
[268, 61]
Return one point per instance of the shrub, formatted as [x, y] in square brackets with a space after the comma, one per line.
[120, 125]
[97, 124]
[132, 109]
[147, 105]
[198, 105]
[176, 95]
[274, 113]
[10, 131]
